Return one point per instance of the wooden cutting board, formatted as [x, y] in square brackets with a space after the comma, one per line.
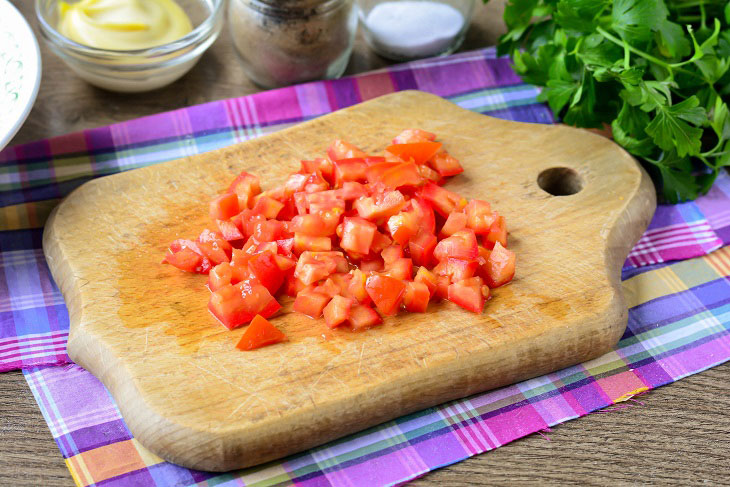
[189, 396]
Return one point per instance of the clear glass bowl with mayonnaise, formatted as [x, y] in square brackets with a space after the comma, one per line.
[130, 45]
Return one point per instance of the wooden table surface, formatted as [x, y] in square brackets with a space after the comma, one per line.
[679, 434]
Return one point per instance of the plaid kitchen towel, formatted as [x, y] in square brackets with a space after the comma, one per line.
[34, 177]
[679, 324]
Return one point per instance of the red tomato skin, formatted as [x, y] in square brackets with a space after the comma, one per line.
[421, 248]
[409, 136]
[461, 245]
[267, 207]
[467, 294]
[224, 207]
[351, 191]
[363, 317]
[260, 333]
[357, 235]
[420, 152]
[386, 293]
[350, 170]
[311, 303]
[497, 233]
[500, 266]
[442, 200]
[374, 173]
[337, 311]
[267, 271]
[424, 214]
[416, 297]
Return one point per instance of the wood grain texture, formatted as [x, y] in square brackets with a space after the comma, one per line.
[190, 397]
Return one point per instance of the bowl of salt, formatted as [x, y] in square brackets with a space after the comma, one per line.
[402, 30]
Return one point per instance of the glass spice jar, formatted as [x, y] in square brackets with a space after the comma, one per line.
[282, 42]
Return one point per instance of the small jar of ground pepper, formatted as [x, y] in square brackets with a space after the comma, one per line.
[282, 42]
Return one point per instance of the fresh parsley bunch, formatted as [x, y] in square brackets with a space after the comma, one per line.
[655, 71]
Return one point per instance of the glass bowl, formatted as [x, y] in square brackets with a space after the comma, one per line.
[141, 69]
[403, 30]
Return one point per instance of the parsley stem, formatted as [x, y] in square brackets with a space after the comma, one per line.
[631, 48]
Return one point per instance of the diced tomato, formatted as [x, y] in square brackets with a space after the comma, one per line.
[381, 206]
[324, 201]
[266, 269]
[479, 216]
[442, 287]
[443, 200]
[403, 226]
[351, 191]
[324, 166]
[461, 245]
[321, 224]
[372, 265]
[224, 207]
[391, 253]
[235, 305]
[445, 164]
[245, 187]
[268, 207]
[356, 287]
[219, 276]
[314, 266]
[284, 263]
[455, 222]
[357, 235]
[421, 247]
[339, 149]
[456, 269]
[311, 303]
[337, 311]
[420, 152]
[248, 221]
[497, 233]
[292, 286]
[328, 287]
[429, 174]
[187, 260]
[416, 297]
[385, 292]
[409, 136]
[362, 317]
[229, 230]
[424, 214]
[260, 333]
[468, 294]
[214, 247]
[428, 278]
[500, 267]
[350, 170]
[401, 269]
[269, 231]
[375, 172]
[304, 242]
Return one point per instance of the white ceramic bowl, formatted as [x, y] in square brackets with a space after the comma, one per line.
[20, 71]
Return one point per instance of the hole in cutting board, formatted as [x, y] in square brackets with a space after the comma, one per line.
[560, 181]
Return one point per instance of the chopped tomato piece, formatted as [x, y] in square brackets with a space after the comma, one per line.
[381, 206]
[268, 207]
[187, 260]
[468, 294]
[406, 174]
[260, 333]
[324, 166]
[266, 269]
[285, 246]
[420, 152]
[245, 187]
[391, 254]
[500, 266]
[362, 317]
[224, 207]
[409, 136]
[356, 287]
[403, 226]
[455, 222]
[424, 214]
[214, 247]
[479, 216]
[497, 233]
[311, 303]
[220, 275]
[351, 191]
[292, 286]
[375, 172]
[339, 149]
[442, 287]
[357, 235]
[421, 247]
[401, 269]
[372, 265]
[350, 170]
[269, 231]
[328, 287]
[429, 174]
[386, 293]
[314, 266]
[456, 269]
[321, 224]
[443, 200]
[307, 242]
[461, 245]
[428, 278]
[229, 230]
[235, 305]
[416, 297]
[337, 311]
[445, 165]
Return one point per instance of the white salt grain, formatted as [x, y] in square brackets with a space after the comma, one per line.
[411, 29]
